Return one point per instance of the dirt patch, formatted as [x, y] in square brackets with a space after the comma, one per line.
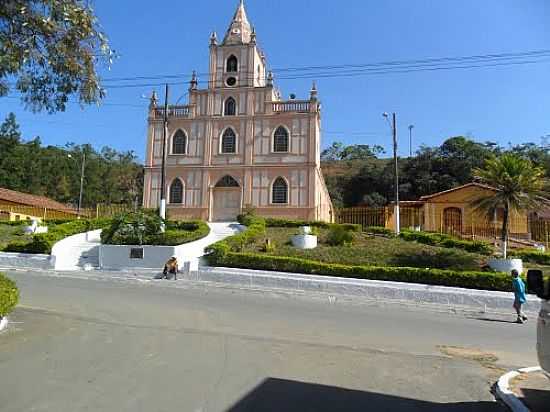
[485, 359]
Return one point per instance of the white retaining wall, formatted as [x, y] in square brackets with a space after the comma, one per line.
[25, 260]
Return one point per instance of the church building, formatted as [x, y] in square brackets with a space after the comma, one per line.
[237, 143]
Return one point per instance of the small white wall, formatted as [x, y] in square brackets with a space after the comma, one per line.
[115, 257]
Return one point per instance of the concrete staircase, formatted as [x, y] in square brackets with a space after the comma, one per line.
[82, 250]
[77, 251]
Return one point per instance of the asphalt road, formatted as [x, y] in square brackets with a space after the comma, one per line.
[88, 345]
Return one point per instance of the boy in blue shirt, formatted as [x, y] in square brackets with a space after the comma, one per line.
[519, 293]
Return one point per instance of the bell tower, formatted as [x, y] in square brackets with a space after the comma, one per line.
[237, 61]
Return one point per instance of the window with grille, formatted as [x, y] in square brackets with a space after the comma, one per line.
[176, 192]
[230, 107]
[280, 191]
[229, 141]
[179, 143]
[232, 64]
[280, 140]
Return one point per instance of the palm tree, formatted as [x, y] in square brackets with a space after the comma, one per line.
[519, 187]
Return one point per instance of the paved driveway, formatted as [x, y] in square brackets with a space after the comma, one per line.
[88, 345]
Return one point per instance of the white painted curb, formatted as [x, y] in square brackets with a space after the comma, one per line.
[505, 393]
[3, 323]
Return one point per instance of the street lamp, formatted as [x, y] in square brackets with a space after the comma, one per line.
[411, 127]
[393, 126]
[82, 168]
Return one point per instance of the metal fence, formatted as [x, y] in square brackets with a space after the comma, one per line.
[16, 212]
[450, 221]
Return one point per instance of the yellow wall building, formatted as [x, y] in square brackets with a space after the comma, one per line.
[451, 211]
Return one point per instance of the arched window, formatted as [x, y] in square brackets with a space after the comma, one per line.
[280, 140]
[279, 191]
[227, 181]
[179, 143]
[176, 192]
[232, 64]
[229, 141]
[230, 107]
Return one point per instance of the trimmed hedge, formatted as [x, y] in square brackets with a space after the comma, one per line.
[226, 253]
[278, 222]
[442, 240]
[532, 256]
[43, 242]
[9, 295]
[466, 279]
[380, 230]
[178, 233]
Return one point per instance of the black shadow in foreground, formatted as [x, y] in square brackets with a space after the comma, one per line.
[280, 395]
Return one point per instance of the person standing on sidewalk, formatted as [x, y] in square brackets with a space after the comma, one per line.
[519, 295]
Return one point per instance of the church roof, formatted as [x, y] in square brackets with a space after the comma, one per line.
[240, 30]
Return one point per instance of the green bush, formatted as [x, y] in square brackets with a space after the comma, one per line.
[532, 256]
[439, 239]
[43, 242]
[9, 295]
[144, 228]
[463, 279]
[339, 236]
[379, 230]
[279, 222]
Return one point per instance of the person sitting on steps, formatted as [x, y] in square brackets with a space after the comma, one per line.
[170, 267]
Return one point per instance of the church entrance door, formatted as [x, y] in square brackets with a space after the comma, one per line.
[226, 200]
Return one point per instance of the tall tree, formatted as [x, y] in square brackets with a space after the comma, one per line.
[52, 49]
[519, 187]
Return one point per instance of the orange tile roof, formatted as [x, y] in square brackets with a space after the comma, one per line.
[482, 186]
[26, 199]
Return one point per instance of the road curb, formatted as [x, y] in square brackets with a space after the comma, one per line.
[3, 323]
[504, 392]
[452, 297]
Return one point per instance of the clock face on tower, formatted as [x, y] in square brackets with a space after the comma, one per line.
[236, 31]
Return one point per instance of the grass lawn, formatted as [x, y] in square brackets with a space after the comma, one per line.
[372, 251]
[9, 233]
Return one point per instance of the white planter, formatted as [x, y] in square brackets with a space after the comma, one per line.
[304, 241]
[506, 265]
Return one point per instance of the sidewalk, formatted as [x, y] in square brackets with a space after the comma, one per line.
[533, 389]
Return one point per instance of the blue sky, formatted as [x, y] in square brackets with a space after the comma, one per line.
[509, 104]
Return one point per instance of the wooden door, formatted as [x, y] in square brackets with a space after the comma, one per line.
[226, 204]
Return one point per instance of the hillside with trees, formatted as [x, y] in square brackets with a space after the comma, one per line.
[29, 166]
[357, 176]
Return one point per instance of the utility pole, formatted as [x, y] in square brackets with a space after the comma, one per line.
[396, 211]
[411, 127]
[163, 171]
[82, 168]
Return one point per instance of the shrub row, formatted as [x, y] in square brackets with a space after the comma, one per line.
[439, 239]
[532, 256]
[255, 227]
[279, 222]
[380, 230]
[463, 279]
[9, 295]
[178, 233]
[43, 242]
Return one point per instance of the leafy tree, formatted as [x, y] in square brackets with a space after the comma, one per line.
[52, 49]
[519, 187]
[334, 152]
[28, 166]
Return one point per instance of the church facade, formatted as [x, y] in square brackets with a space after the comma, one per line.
[237, 144]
